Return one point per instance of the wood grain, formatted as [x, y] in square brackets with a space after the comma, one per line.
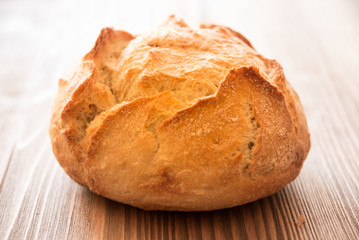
[315, 41]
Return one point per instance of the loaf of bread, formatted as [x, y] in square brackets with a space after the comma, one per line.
[179, 119]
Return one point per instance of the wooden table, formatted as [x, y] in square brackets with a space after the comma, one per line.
[317, 42]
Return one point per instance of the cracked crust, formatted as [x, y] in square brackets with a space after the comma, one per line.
[179, 119]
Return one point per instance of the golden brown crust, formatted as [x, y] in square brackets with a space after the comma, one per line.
[179, 119]
[227, 30]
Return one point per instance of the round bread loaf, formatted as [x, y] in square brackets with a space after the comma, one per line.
[179, 119]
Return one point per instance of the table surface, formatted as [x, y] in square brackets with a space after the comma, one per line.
[315, 41]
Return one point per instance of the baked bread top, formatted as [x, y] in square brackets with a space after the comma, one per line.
[179, 119]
